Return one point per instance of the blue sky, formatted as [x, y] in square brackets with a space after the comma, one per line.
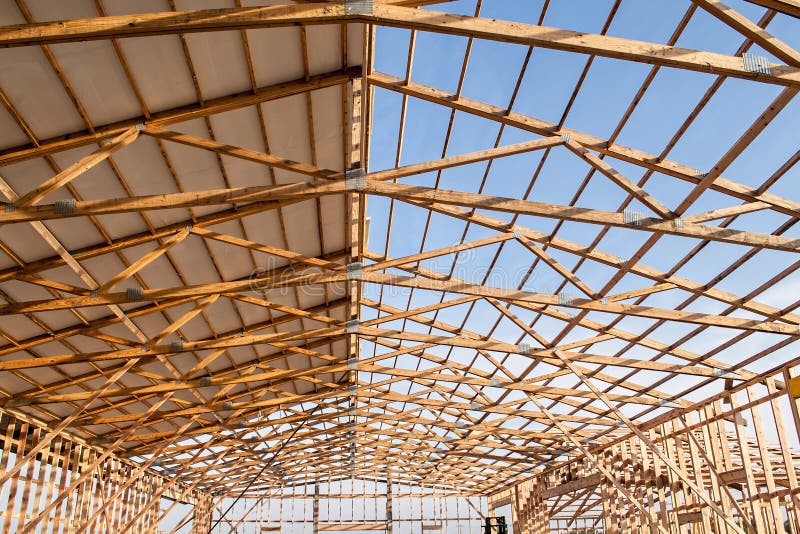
[606, 93]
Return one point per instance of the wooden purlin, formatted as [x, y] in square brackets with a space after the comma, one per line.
[577, 504]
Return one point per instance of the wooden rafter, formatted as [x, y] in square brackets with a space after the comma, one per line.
[440, 392]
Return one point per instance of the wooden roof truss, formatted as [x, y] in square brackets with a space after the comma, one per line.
[398, 393]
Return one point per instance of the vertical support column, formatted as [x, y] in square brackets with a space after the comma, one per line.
[611, 497]
[793, 385]
[515, 510]
[354, 171]
[201, 524]
[606, 490]
[660, 485]
[540, 516]
[772, 506]
[793, 500]
[389, 517]
[744, 449]
[315, 518]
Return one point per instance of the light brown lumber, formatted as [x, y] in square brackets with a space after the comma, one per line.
[334, 12]
[606, 398]
[464, 159]
[79, 167]
[604, 146]
[788, 7]
[278, 193]
[751, 30]
[412, 282]
[615, 176]
[172, 22]
[243, 153]
[584, 43]
[611, 260]
[178, 114]
[152, 350]
[584, 215]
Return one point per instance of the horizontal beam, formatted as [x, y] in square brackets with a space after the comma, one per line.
[518, 296]
[592, 142]
[573, 486]
[302, 191]
[543, 390]
[546, 355]
[583, 215]
[335, 12]
[243, 195]
[584, 43]
[171, 22]
[153, 350]
[611, 260]
[523, 297]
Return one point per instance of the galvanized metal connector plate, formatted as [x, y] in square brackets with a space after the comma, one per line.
[565, 299]
[358, 7]
[756, 63]
[354, 270]
[355, 178]
[133, 293]
[632, 217]
[64, 207]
